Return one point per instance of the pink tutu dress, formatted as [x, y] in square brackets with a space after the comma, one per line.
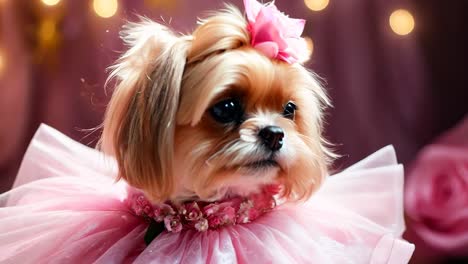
[65, 207]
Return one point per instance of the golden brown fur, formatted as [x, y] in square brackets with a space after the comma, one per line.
[158, 126]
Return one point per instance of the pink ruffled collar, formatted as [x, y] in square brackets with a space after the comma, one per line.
[203, 216]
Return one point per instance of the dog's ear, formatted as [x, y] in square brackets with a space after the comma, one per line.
[140, 119]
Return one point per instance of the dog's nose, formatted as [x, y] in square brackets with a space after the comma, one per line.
[272, 137]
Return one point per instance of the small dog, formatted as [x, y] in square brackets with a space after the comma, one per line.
[211, 132]
[207, 116]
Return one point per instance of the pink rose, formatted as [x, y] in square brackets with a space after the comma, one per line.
[140, 205]
[437, 197]
[215, 221]
[193, 212]
[202, 225]
[172, 223]
[211, 209]
[229, 215]
[141, 200]
[221, 214]
[275, 34]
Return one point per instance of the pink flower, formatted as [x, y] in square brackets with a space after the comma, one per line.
[141, 200]
[138, 210]
[202, 225]
[193, 212]
[215, 221]
[181, 209]
[157, 215]
[245, 206]
[229, 215]
[437, 197]
[275, 34]
[161, 211]
[220, 214]
[244, 212]
[211, 209]
[141, 206]
[148, 210]
[172, 223]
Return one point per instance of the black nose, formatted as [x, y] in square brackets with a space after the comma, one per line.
[272, 137]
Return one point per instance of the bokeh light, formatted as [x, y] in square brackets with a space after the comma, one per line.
[105, 8]
[47, 31]
[50, 2]
[2, 62]
[316, 5]
[402, 22]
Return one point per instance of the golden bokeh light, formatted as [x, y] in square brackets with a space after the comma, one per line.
[50, 2]
[2, 62]
[316, 5]
[402, 22]
[47, 31]
[105, 8]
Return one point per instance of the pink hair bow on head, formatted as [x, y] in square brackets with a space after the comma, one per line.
[274, 34]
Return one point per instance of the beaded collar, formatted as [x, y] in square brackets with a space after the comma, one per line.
[200, 215]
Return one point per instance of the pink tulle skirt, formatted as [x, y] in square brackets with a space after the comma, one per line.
[65, 207]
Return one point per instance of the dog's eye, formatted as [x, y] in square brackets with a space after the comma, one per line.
[227, 111]
[289, 110]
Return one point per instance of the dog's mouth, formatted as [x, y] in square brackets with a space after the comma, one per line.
[260, 164]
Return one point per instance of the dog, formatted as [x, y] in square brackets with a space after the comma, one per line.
[209, 115]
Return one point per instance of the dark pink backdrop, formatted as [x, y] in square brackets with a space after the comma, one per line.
[386, 89]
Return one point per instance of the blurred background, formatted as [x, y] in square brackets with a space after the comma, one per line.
[395, 70]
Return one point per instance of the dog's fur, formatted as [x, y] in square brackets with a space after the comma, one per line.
[159, 127]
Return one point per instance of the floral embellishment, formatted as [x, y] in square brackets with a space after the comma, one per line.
[160, 211]
[193, 212]
[221, 214]
[202, 225]
[173, 223]
[275, 34]
[200, 215]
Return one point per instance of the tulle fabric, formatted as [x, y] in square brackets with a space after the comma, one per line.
[66, 207]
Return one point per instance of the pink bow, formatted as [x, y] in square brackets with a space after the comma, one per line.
[274, 34]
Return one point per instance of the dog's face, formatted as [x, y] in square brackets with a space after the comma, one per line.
[207, 115]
